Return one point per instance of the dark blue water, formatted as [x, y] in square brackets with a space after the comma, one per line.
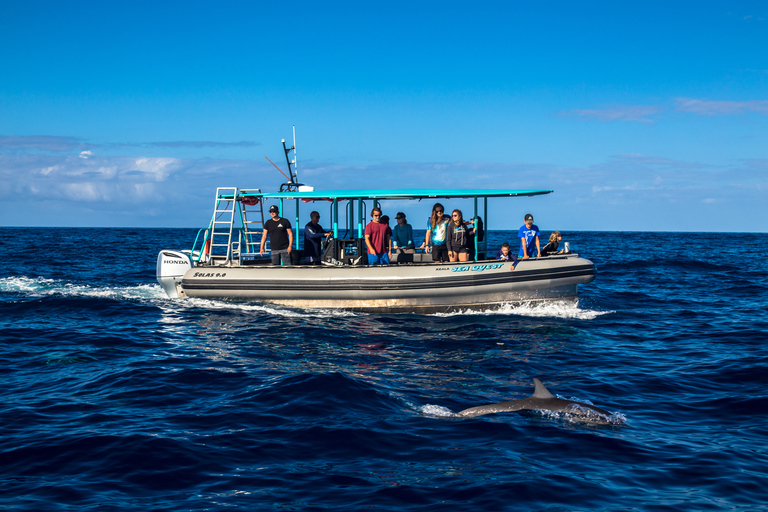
[116, 398]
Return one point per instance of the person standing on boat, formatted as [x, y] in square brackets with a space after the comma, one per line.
[458, 237]
[437, 225]
[402, 235]
[377, 236]
[529, 233]
[313, 234]
[280, 237]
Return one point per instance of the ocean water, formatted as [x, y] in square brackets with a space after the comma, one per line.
[117, 398]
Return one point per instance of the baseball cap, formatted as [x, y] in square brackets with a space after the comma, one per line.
[274, 208]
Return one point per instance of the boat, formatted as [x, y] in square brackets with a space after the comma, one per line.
[224, 261]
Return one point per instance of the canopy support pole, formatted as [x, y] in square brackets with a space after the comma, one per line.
[335, 218]
[360, 218]
[296, 231]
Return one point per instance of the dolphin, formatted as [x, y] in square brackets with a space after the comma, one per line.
[541, 400]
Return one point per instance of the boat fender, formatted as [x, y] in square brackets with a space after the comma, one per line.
[206, 249]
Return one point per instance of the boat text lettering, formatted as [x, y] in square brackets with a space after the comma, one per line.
[477, 268]
[210, 274]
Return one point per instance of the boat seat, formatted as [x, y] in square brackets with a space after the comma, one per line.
[411, 258]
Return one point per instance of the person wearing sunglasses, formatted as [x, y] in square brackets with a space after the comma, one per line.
[402, 235]
[377, 236]
[437, 225]
[458, 237]
[313, 234]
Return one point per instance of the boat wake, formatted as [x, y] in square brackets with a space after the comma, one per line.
[43, 287]
[37, 287]
[555, 309]
[216, 304]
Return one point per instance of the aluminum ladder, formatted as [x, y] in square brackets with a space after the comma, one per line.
[224, 214]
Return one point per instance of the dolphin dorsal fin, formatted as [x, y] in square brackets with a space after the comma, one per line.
[541, 391]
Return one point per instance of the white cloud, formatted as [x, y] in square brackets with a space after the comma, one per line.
[624, 113]
[157, 169]
[711, 108]
[627, 191]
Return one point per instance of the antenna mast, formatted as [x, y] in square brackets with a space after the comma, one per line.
[293, 184]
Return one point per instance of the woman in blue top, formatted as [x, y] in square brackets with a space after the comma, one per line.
[437, 225]
[402, 235]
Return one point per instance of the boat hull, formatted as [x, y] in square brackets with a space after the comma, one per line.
[418, 288]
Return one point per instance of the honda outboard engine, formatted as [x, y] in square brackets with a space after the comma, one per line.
[171, 267]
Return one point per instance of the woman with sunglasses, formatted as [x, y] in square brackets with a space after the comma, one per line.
[458, 237]
[437, 224]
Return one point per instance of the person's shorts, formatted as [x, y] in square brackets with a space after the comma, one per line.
[378, 259]
[281, 255]
[463, 250]
[440, 253]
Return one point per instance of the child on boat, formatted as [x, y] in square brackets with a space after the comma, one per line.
[552, 246]
[505, 254]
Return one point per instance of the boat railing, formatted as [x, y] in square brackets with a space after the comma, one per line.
[195, 249]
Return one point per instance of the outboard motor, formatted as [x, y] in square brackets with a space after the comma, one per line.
[171, 267]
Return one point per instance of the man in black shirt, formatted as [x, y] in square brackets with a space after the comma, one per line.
[280, 237]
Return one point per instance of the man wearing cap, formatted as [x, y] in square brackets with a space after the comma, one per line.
[313, 233]
[280, 237]
[402, 235]
[528, 233]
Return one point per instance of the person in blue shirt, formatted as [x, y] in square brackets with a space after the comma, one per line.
[402, 235]
[529, 234]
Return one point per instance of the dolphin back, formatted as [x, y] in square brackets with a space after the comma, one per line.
[540, 392]
[541, 400]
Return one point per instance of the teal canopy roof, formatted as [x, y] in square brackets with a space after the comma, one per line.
[398, 194]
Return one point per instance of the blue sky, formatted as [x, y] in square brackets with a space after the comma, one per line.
[644, 116]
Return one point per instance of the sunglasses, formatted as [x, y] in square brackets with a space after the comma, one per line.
[455, 215]
[376, 216]
[438, 211]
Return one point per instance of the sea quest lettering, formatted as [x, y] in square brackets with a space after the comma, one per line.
[477, 268]
[210, 274]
